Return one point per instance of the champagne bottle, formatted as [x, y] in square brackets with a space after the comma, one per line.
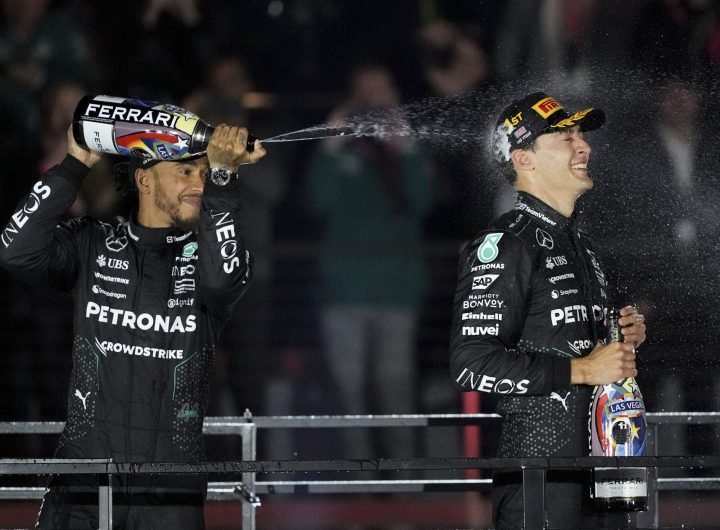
[140, 128]
[618, 428]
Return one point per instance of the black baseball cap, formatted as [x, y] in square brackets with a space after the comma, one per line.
[136, 162]
[525, 119]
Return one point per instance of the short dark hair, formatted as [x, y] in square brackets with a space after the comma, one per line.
[506, 168]
[124, 181]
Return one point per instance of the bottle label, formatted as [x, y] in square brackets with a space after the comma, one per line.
[614, 483]
[618, 425]
[133, 127]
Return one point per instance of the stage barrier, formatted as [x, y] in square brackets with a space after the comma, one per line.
[242, 485]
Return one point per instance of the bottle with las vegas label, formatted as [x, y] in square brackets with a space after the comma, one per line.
[618, 427]
[140, 128]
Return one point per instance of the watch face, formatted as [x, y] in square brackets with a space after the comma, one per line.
[220, 177]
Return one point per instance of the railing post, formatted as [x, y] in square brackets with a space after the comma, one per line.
[105, 504]
[651, 517]
[534, 498]
[249, 450]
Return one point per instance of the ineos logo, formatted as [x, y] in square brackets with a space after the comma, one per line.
[20, 217]
[226, 237]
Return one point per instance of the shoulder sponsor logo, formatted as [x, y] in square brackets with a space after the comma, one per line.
[112, 279]
[488, 249]
[487, 266]
[525, 208]
[569, 314]
[482, 296]
[115, 243]
[481, 330]
[544, 239]
[561, 277]
[490, 384]
[483, 282]
[491, 303]
[142, 321]
[558, 293]
[226, 237]
[99, 290]
[555, 261]
[481, 316]
[139, 351]
[39, 192]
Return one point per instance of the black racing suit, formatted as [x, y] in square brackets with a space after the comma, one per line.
[531, 295]
[149, 305]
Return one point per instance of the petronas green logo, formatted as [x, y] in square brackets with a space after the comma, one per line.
[488, 249]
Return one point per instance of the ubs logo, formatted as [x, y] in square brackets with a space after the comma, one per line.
[113, 263]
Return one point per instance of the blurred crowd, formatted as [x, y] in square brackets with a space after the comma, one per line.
[356, 240]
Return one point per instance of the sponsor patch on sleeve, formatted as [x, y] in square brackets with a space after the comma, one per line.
[488, 250]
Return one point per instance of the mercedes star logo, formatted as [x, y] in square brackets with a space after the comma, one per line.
[544, 239]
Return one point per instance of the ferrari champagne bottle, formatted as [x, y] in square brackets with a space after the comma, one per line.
[618, 428]
[140, 128]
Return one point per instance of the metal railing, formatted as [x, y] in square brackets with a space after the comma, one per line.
[247, 490]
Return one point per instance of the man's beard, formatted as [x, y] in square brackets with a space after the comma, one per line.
[187, 224]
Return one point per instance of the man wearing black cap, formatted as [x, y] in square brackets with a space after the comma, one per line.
[530, 304]
[151, 295]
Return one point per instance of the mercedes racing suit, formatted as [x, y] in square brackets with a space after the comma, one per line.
[149, 305]
[531, 296]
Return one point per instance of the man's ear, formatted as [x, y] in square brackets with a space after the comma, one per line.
[142, 181]
[523, 159]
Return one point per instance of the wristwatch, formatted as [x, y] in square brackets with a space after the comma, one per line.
[221, 176]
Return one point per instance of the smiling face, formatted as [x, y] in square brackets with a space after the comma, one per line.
[561, 161]
[170, 194]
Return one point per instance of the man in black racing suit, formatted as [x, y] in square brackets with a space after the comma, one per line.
[529, 308]
[151, 296]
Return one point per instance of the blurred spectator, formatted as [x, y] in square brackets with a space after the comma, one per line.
[38, 47]
[151, 46]
[371, 194]
[545, 40]
[455, 63]
[228, 96]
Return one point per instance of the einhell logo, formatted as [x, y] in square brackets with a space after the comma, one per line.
[546, 107]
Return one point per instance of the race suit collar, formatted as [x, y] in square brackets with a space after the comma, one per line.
[155, 236]
[542, 212]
